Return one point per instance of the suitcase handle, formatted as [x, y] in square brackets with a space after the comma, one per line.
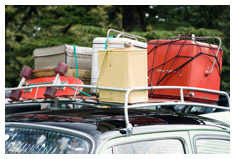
[126, 44]
[126, 35]
[217, 38]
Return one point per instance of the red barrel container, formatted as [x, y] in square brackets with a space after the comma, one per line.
[184, 63]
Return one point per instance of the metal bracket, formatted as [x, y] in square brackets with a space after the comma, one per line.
[57, 81]
[204, 38]
[129, 129]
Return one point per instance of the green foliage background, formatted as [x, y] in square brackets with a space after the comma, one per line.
[30, 27]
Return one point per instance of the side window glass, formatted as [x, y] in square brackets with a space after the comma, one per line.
[212, 146]
[38, 141]
[163, 146]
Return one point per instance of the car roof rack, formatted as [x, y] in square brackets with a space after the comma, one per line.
[126, 105]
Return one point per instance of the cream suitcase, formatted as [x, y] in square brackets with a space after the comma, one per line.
[123, 68]
[102, 43]
[99, 44]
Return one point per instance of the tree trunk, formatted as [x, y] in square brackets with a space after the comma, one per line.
[134, 17]
[130, 18]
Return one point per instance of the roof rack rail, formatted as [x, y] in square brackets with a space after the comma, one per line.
[137, 105]
[120, 33]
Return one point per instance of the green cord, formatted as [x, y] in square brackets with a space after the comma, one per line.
[75, 53]
[106, 45]
[82, 92]
[39, 83]
[61, 83]
[107, 42]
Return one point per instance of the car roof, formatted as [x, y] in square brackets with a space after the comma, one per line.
[109, 119]
[102, 124]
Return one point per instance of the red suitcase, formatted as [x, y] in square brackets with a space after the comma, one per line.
[184, 63]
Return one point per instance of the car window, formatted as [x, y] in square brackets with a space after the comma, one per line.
[212, 146]
[35, 141]
[163, 146]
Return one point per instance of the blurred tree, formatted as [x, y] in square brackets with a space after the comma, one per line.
[29, 27]
[134, 17]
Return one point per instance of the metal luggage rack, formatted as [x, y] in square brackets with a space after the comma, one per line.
[120, 33]
[126, 105]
